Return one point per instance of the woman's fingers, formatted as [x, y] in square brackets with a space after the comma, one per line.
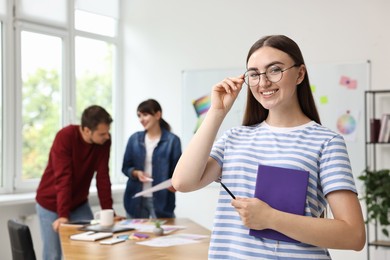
[231, 84]
[225, 93]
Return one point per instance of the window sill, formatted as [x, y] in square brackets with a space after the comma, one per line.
[29, 197]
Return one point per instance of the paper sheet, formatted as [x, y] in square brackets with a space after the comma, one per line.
[147, 226]
[167, 228]
[173, 240]
[163, 185]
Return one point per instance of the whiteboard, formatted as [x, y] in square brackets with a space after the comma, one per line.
[341, 107]
[338, 90]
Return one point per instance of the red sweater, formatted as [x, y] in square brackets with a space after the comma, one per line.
[67, 178]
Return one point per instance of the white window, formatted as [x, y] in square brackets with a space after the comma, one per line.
[41, 96]
[1, 103]
[97, 16]
[94, 78]
[65, 59]
[51, 12]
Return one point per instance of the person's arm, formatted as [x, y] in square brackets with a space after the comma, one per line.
[57, 223]
[61, 162]
[128, 164]
[61, 156]
[103, 182]
[130, 158]
[195, 169]
[174, 157]
[345, 231]
[175, 154]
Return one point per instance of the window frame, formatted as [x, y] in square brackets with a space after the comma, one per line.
[12, 84]
[8, 113]
[20, 27]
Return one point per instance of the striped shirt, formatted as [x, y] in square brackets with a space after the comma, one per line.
[310, 147]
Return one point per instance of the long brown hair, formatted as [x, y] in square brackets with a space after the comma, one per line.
[254, 112]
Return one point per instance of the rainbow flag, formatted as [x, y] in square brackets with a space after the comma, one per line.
[202, 105]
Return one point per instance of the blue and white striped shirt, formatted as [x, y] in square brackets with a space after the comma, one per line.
[310, 147]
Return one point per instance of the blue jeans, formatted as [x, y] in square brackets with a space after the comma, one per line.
[146, 209]
[50, 238]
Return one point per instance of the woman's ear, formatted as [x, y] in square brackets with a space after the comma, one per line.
[158, 115]
[301, 74]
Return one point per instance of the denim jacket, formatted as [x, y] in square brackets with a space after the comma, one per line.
[164, 159]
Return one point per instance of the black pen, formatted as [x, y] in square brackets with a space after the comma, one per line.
[228, 191]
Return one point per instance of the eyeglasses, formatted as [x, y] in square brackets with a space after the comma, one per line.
[273, 74]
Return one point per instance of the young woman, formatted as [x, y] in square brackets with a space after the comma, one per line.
[150, 158]
[281, 127]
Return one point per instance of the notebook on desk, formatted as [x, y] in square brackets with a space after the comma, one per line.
[90, 236]
[283, 189]
[80, 222]
[112, 229]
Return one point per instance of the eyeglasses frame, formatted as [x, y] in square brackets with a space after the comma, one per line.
[265, 73]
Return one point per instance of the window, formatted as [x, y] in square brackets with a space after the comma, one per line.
[3, 93]
[94, 67]
[94, 78]
[38, 11]
[1, 110]
[65, 60]
[96, 23]
[97, 16]
[41, 59]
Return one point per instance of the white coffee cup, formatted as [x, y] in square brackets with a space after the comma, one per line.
[105, 217]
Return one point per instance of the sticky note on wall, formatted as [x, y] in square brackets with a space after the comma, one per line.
[324, 100]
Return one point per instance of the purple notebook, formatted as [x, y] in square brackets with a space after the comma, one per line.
[283, 189]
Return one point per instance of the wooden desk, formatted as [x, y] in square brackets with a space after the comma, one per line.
[73, 250]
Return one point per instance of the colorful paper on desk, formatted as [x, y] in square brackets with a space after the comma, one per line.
[173, 240]
[168, 229]
[163, 185]
[140, 221]
[147, 226]
[283, 189]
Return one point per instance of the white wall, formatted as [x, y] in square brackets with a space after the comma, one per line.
[163, 38]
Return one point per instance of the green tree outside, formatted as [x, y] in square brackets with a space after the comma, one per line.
[42, 108]
[41, 117]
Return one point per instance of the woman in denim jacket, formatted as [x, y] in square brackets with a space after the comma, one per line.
[150, 158]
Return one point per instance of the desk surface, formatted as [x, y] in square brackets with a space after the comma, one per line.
[130, 250]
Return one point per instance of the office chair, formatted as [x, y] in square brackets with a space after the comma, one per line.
[21, 241]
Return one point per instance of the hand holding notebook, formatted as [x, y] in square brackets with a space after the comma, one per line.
[283, 189]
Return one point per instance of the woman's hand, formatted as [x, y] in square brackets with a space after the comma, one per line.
[254, 213]
[225, 93]
[171, 189]
[142, 176]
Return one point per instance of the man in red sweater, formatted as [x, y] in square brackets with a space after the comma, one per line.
[78, 151]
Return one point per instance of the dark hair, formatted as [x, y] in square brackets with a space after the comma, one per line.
[151, 107]
[254, 112]
[93, 116]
